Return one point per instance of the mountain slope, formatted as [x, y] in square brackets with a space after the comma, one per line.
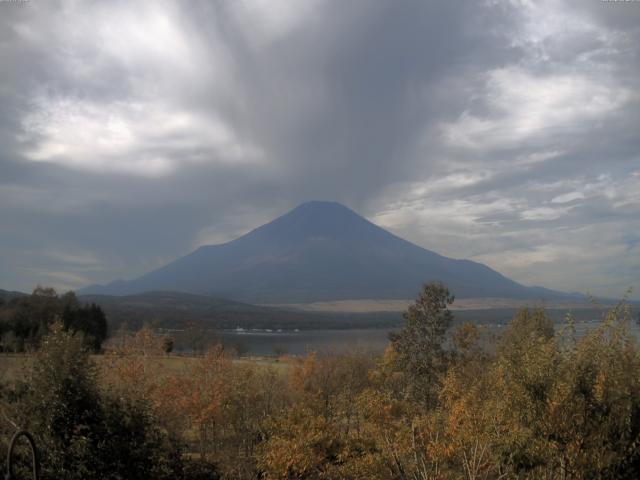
[317, 252]
[8, 295]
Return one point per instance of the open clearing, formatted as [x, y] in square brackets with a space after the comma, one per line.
[13, 365]
[375, 305]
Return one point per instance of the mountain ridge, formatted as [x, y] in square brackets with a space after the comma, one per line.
[320, 251]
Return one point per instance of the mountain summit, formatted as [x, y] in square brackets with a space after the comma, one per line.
[320, 251]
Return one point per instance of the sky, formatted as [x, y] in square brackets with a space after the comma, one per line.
[506, 132]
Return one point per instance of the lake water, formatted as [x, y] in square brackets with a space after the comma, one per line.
[263, 342]
[260, 342]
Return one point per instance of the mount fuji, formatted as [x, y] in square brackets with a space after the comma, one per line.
[321, 251]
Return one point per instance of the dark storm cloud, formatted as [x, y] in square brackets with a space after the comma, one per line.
[502, 131]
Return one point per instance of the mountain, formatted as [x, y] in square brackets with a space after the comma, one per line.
[320, 251]
[8, 295]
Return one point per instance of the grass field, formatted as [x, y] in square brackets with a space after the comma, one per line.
[12, 365]
[372, 305]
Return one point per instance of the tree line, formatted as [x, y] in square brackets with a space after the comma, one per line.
[530, 403]
[26, 319]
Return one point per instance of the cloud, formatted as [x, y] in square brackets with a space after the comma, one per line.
[568, 197]
[137, 138]
[529, 108]
[502, 131]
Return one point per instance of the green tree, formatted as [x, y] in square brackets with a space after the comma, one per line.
[87, 319]
[26, 319]
[61, 406]
[420, 343]
[133, 445]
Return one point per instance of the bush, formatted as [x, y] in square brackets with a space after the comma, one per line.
[83, 433]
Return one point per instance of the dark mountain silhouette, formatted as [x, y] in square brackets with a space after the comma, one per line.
[320, 251]
[8, 295]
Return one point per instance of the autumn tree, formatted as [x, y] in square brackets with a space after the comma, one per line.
[320, 434]
[255, 395]
[83, 432]
[565, 409]
[467, 404]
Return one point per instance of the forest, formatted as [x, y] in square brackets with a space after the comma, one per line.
[535, 402]
[26, 319]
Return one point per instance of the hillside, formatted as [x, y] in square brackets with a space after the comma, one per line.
[320, 251]
[178, 310]
[8, 295]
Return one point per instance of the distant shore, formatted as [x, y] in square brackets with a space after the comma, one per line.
[375, 305]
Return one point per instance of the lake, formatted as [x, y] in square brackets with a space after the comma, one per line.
[262, 342]
[265, 342]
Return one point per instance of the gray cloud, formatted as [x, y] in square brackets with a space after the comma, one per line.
[502, 131]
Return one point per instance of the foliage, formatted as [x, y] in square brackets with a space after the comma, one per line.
[420, 342]
[167, 345]
[87, 319]
[535, 403]
[319, 435]
[569, 410]
[82, 432]
[540, 406]
[24, 320]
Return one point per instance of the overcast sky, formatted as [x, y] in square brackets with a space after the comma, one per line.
[506, 132]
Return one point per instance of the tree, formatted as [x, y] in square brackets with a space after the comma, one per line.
[31, 317]
[318, 436]
[167, 345]
[25, 320]
[133, 444]
[420, 342]
[563, 409]
[87, 319]
[82, 432]
[60, 406]
[467, 403]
